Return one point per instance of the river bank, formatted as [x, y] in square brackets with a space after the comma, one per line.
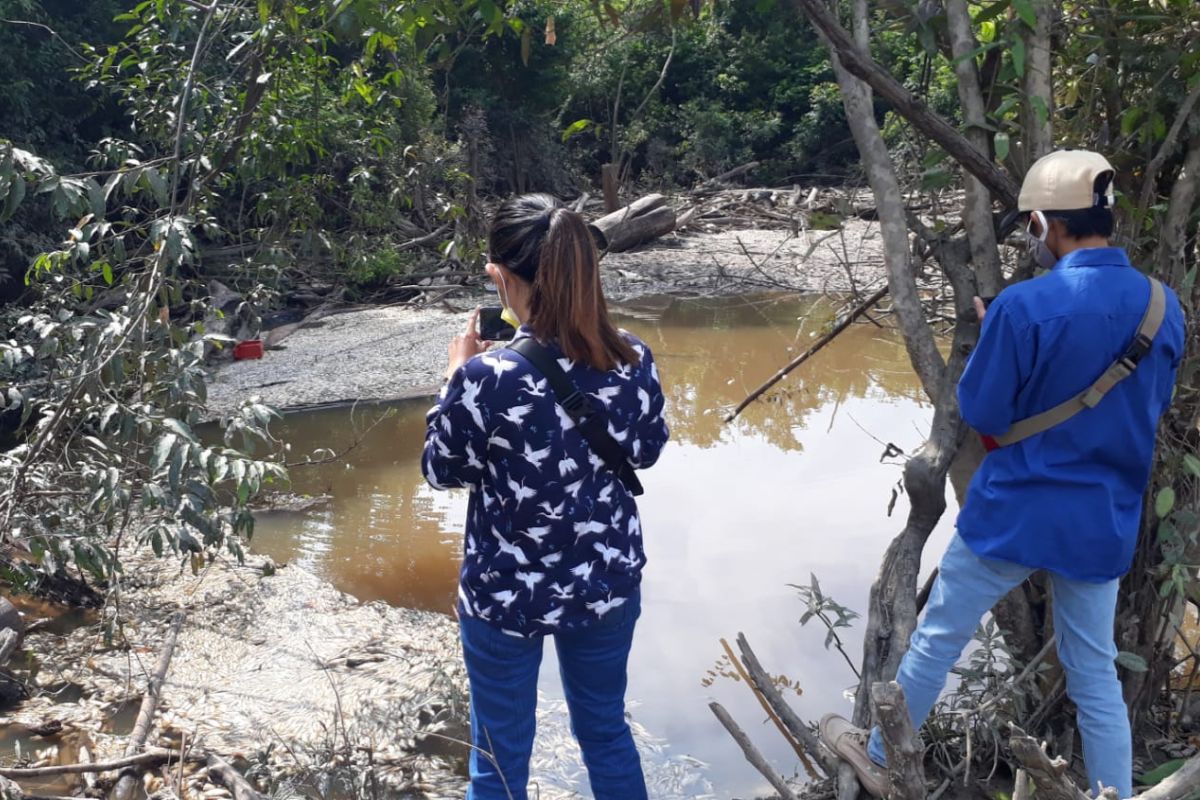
[396, 352]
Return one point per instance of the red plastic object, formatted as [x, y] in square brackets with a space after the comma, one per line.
[251, 348]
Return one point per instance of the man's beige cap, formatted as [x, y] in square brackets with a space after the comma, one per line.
[1066, 181]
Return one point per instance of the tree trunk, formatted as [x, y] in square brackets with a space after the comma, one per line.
[609, 183]
[1037, 85]
[977, 217]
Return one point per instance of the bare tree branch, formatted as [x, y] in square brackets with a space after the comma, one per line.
[770, 692]
[856, 61]
[1166, 150]
[842, 324]
[752, 753]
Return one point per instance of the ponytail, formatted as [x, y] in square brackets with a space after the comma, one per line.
[552, 248]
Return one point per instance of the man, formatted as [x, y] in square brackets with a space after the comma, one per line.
[1068, 399]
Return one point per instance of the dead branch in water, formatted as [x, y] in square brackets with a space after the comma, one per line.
[223, 774]
[752, 754]
[145, 718]
[770, 692]
[149, 758]
[752, 683]
[842, 325]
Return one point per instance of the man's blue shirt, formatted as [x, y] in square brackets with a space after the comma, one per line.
[1068, 500]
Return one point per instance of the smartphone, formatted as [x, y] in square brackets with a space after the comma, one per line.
[491, 327]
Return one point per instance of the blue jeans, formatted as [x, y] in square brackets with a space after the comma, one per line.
[503, 673]
[966, 588]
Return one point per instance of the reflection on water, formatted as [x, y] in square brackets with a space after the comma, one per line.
[732, 514]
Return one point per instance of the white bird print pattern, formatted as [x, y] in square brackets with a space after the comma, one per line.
[553, 541]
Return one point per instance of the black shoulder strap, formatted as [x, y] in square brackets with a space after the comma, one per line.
[591, 421]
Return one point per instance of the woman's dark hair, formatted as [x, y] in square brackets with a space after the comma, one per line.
[550, 247]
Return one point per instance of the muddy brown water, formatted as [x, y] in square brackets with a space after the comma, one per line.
[732, 515]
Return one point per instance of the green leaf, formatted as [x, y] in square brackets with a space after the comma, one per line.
[992, 12]
[1024, 9]
[1161, 772]
[180, 429]
[575, 128]
[158, 186]
[107, 272]
[1192, 463]
[1003, 144]
[1130, 120]
[1131, 661]
[1018, 57]
[16, 193]
[162, 451]
[1164, 502]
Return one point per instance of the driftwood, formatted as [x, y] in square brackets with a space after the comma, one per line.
[752, 754]
[637, 223]
[128, 783]
[223, 774]
[1048, 774]
[906, 769]
[1022, 788]
[845, 322]
[719, 180]
[149, 758]
[1178, 785]
[768, 691]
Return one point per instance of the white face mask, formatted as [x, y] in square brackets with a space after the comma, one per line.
[1042, 254]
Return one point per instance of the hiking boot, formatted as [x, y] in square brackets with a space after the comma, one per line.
[850, 745]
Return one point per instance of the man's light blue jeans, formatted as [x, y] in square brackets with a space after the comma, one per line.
[503, 673]
[966, 588]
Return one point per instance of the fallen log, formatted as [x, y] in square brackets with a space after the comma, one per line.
[637, 223]
[752, 753]
[223, 774]
[128, 783]
[846, 322]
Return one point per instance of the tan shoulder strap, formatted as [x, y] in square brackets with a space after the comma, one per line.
[1118, 371]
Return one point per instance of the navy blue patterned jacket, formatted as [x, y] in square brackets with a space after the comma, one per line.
[553, 539]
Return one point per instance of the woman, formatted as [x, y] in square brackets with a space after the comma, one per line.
[553, 542]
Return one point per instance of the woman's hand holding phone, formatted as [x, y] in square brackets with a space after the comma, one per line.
[466, 345]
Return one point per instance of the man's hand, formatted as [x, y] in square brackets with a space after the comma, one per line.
[980, 309]
[466, 345]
